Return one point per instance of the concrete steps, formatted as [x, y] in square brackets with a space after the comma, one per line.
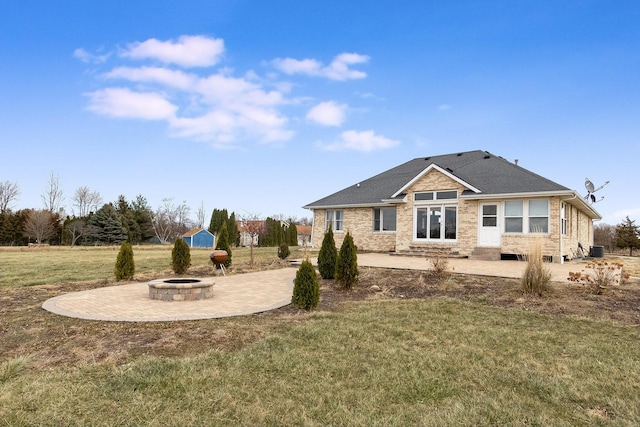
[429, 252]
[485, 254]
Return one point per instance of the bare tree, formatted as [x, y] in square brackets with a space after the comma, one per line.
[9, 191]
[79, 228]
[253, 226]
[40, 225]
[86, 201]
[201, 216]
[170, 221]
[52, 196]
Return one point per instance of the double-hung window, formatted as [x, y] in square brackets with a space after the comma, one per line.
[384, 219]
[513, 210]
[539, 216]
[334, 220]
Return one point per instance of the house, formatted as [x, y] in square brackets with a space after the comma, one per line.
[471, 203]
[199, 238]
[304, 235]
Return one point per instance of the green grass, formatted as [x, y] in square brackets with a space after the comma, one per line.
[23, 266]
[420, 362]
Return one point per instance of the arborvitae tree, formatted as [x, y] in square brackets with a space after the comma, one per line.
[272, 235]
[127, 218]
[283, 251]
[223, 243]
[142, 214]
[125, 267]
[627, 235]
[306, 292]
[327, 256]
[180, 256]
[347, 265]
[232, 227]
[292, 234]
[218, 216]
[109, 227]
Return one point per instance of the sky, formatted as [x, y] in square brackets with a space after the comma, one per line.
[262, 107]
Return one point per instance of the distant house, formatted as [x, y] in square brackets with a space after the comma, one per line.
[199, 238]
[304, 235]
[471, 203]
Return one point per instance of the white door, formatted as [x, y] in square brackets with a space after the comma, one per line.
[489, 225]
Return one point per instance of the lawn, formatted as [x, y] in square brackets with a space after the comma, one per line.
[472, 351]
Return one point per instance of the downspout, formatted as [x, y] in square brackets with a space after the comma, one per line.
[560, 231]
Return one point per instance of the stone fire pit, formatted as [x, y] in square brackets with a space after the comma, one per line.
[181, 289]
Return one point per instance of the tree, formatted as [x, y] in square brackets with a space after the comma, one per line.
[76, 229]
[604, 235]
[627, 234]
[12, 227]
[306, 292]
[52, 196]
[85, 201]
[200, 216]
[283, 251]
[109, 228]
[180, 256]
[327, 256]
[125, 267]
[142, 215]
[272, 233]
[128, 220]
[218, 217]
[252, 225]
[170, 221]
[232, 226]
[347, 265]
[40, 225]
[223, 243]
[292, 233]
[9, 192]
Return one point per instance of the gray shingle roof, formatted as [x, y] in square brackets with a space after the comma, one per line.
[480, 169]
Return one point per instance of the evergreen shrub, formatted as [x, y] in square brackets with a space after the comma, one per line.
[125, 267]
[327, 256]
[283, 251]
[306, 292]
[223, 243]
[180, 256]
[347, 265]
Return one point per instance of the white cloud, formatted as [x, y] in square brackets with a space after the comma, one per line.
[360, 141]
[444, 107]
[124, 103]
[328, 113]
[90, 58]
[188, 51]
[339, 69]
[165, 76]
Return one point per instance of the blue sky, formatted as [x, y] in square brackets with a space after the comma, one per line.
[261, 107]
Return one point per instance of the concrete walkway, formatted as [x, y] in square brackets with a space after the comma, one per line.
[242, 294]
[233, 295]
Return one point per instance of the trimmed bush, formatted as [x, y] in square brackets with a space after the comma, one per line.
[283, 251]
[306, 292]
[347, 265]
[125, 267]
[180, 256]
[327, 256]
[223, 243]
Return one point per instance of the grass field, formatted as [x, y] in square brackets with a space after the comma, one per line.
[433, 361]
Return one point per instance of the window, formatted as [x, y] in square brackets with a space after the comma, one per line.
[490, 215]
[435, 195]
[384, 219]
[334, 220]
[513, 216]
[538, 216]
[563, 219]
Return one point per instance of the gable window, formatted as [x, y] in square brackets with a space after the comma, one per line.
[334, 220]
[435, 195]
[384, 219]
[538, 216]
[513, 216]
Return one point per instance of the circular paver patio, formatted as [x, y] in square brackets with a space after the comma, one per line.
[233, 295]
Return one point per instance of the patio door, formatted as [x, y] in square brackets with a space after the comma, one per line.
[489, 225]
[437, 223]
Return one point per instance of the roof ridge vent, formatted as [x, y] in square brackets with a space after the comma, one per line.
[487, 156]
[459, 154]
[427, 158]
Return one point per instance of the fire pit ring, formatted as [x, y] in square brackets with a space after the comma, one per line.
[181, 289]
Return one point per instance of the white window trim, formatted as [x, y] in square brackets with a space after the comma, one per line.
[442, 206]
[525, 219]
[382, 221]
[333, 221]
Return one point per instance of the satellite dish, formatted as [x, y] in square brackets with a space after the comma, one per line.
[589, 185]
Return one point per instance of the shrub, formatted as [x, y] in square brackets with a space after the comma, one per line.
[536, 278]
[125, 267]
[283, 251]
[223, 243]
[599, 275]
[180, 256]
[347, 264]
[440, 266]
[327, 256]
[306, 292]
